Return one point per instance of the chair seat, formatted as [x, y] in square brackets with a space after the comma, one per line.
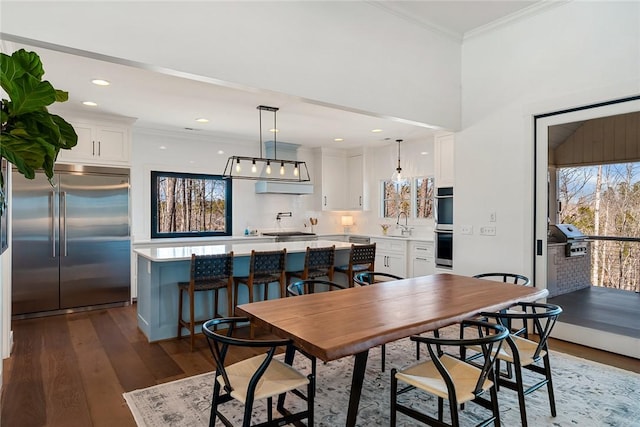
[278, 378]
[313, 273]
[260, 279]
[425, 376]
[526, 350]
[358, 267]
[204, 286]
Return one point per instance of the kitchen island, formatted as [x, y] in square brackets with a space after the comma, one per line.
[159, 269]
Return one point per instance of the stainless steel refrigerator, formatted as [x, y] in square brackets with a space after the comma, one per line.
[71, 241]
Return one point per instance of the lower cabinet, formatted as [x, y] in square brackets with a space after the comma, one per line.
[391, 256]
[421, 259]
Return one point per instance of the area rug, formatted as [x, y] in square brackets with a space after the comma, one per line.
[588, 394]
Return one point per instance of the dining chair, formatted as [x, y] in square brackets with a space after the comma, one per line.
[310, 286]
[524, 353]
[514, 278]
[361, 258]
[259, 377]
[318, 262]
[303, 287]
[366, 278]
[265, 267]
[208, 273]
[447, 377]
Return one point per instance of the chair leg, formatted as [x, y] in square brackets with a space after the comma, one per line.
[494, 404]
[179, 313]
[440, 408]
[383, 353]
[520, 389]
[191, 317]
[394, 391]
[547, 370]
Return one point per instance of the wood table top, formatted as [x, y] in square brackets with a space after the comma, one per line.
[331, 325]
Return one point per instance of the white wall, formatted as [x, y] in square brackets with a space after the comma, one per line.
[571, 55]
[352, 54]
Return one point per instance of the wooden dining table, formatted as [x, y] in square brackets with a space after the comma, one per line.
[332, 325]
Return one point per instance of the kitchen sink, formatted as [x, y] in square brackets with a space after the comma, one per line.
[288, 233]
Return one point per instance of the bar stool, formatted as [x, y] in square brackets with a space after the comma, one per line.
[208, 273]
[361, 258]
[318, 262]
[265, 267]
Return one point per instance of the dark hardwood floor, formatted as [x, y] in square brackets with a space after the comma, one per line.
[71, 370]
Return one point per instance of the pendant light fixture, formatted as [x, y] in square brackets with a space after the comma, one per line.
[259, 168]
[397, 177]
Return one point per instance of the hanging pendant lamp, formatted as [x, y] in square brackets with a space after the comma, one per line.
[397, 177]
[260, 169]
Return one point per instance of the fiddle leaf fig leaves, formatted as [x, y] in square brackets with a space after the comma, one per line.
[31, 137]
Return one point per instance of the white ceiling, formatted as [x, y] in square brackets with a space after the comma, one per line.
[159, 100]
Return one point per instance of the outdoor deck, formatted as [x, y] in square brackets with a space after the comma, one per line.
[604, 309]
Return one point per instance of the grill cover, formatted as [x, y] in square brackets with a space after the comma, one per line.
[566, 232]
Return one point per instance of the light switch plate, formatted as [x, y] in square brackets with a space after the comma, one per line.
[466, 229]
[487, 231]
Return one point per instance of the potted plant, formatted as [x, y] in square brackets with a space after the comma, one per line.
[30, 137]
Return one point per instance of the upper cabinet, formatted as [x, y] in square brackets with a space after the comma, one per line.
[444, 160]
[99, 143]
[342, 184]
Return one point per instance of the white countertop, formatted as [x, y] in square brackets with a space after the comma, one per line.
[179, 253]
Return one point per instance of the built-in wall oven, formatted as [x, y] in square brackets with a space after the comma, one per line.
[444, 227]
[444, 248]
[444, 208]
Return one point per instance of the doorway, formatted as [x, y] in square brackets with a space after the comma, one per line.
[586, 333]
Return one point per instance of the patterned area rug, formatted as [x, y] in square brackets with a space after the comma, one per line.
[587, 394]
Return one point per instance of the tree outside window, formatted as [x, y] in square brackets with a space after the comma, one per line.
[396, 198]
[424, 197]
[190, 205]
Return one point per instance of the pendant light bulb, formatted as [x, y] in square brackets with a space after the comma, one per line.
[268, 167]
[397, 175]
[295, 170]
[254, 169]
[238, 168]
[281, 168]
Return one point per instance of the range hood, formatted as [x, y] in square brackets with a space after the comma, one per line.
[285, 151]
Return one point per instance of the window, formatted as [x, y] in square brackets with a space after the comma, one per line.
[398, 198]
[424, 197]
[190, 205]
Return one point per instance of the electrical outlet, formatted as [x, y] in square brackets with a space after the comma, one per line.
[487, 231]
[466, 229]
[492, 217]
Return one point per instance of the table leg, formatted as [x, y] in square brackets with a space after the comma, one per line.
[359, 367]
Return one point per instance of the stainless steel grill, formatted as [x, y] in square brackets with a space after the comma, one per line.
[576, 242]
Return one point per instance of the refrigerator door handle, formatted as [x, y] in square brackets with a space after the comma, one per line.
[52, 196]
[63, 232]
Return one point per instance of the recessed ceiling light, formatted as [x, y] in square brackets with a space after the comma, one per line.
[338, 139]
[376, 130]
[89, 103]
[162, 147]
[220, 152]
[274, 130]
[424, 153]
[202, 120]
[100, 82]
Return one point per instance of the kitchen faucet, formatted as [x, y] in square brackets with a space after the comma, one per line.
[406, 230]
[282, 214]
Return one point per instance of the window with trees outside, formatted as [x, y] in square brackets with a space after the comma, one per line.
[190, 205]
[414, 197]
[604, 201]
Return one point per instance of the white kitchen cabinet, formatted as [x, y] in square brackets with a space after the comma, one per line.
[99, 144]
[355, 199]
[334, 178]
[444, 159]
[341, 181]
[421, 258]
[391, 256]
